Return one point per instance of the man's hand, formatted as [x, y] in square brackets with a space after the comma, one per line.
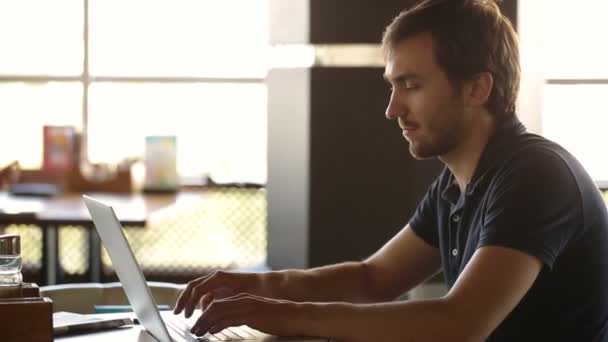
[218, 285]
[272, 316]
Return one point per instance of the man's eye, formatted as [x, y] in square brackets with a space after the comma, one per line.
[411, 86]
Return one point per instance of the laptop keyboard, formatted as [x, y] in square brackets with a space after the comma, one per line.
[182, 328]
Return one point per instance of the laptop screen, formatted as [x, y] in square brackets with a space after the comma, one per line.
[130, 275]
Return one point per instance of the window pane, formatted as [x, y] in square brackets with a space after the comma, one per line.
[179, 37]
[29, 107]
[220, 128]
[40, 37]
[574, 34]
[576, 116]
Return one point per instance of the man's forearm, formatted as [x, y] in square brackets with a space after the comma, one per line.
[347, 282]
[428, 320]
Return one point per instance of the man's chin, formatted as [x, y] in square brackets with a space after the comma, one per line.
[419, 153]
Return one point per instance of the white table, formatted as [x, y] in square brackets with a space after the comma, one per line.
[129, 333]
[135, 333]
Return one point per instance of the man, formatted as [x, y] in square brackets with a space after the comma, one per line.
[514, 221]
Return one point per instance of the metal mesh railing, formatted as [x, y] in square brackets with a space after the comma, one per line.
[73, 246]
[226, 229]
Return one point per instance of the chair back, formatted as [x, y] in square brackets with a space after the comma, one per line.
[82, 297]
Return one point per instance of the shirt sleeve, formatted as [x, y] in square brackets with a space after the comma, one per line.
[424, 221]
[534, 206]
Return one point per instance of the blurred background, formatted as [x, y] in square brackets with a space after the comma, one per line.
[274, 112]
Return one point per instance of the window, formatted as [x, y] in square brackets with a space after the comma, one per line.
[576, 116]
[26, 107]
[574, 77]
[221, 128]
[125, 69]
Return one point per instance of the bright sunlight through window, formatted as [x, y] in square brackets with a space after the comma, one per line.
[574, 109]
[190, 68]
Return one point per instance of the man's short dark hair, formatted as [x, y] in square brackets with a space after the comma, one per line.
[470, 37]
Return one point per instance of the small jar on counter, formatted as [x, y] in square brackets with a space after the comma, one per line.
[10, 266]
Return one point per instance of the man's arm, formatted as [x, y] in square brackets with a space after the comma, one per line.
[491, 285]
[404, 262]
[401, 264]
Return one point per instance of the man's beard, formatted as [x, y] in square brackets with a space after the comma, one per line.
[446, 140]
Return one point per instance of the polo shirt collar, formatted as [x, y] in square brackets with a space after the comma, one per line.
[504, 134]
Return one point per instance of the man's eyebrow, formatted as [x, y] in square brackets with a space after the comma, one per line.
[407, 76]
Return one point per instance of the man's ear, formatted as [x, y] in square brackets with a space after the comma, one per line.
[479, 89]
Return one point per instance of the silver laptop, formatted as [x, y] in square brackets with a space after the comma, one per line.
[165, 327]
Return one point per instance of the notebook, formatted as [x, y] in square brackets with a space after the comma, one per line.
[165, 327]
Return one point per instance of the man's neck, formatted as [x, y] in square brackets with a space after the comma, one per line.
[463, 159]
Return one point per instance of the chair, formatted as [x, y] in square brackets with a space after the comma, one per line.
[82, 297]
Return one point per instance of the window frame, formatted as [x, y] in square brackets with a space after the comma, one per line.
[86, 80]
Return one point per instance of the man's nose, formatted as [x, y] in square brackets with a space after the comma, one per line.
[394, 109]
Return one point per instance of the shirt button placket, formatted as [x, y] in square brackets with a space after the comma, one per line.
[455, 221]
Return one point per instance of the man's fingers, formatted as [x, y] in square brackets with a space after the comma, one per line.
[185, 295]
[206, 300]
[218, 281]
[220, 310]
[220, 284]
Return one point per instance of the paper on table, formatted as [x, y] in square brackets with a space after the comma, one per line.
[67, 322]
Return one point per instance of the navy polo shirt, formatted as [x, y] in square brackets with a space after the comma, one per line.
[529, 194]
